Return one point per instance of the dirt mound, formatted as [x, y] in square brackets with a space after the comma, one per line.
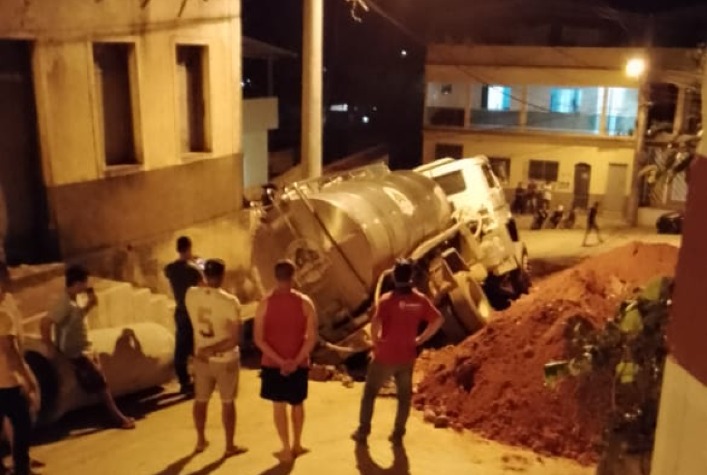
[493, 382]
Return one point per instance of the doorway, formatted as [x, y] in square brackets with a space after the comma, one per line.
[27, 239]
[615, 195]
[582, 179]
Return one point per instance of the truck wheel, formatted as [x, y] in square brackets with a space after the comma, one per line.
[452, 328]
[520, 277]
[469, 302]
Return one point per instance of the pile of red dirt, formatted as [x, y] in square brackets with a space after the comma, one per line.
[493, 382]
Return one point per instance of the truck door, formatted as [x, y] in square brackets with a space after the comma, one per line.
[496, 193]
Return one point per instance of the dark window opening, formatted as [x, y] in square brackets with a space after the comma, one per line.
[114, 99]
[191, 68]
[447, 150]
[543, 170]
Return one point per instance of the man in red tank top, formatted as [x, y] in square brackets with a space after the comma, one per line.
[286, 333]
[394, 328]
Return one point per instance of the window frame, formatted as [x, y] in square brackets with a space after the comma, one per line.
[544, 164]
[134, 82]
[206, 47]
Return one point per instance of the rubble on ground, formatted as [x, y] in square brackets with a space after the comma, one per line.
[492, 383]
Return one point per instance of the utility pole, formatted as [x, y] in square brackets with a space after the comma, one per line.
[634, 197]
[312, 65]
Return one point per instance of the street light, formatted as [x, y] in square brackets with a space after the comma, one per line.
[635, 67]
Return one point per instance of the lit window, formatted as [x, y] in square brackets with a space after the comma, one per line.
[566, 101]
[499, 98]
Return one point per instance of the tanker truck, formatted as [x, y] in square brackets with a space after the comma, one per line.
[344, 232]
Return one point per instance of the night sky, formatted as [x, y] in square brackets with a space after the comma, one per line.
[377, 66]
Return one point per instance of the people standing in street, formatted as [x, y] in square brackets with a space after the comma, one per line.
[68, 319]
[531, 200]
[394, 331]
[215, 317]
[286, 333]
[19, 394]
[518, 206]
[547, 195]
[182, 274]
[592, 223]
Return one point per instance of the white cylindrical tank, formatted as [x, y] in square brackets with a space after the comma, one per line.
[343, 234]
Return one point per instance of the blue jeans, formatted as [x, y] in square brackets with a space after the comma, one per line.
[378, 374]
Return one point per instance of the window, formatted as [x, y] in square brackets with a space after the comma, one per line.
[501, 167]
[192, 80]
[494, 105]
[446, 89]
[621, 110]
[543, 170]
[566, 109]
[451, 183]
[111, 66]
[566, 101]
[496, 98]
[445, 104]
[448, 150]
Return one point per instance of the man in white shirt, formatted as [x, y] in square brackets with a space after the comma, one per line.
[18, 388]
[215, 316]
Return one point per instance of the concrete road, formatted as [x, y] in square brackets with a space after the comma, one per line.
[164, 439]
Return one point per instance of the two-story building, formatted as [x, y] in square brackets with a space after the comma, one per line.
[120, 129]
[562, 115]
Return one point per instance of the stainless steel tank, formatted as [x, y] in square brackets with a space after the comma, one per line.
[342, 232]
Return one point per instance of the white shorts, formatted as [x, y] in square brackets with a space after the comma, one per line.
[209, 375]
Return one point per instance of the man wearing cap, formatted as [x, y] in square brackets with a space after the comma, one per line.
[394, 328]
[215, 317]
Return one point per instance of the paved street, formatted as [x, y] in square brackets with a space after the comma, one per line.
[162, 443]
[164, 438]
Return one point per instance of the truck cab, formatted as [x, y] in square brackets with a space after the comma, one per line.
[472, 188]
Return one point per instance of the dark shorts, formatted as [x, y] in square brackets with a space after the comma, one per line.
[88, 374]
[291, 389]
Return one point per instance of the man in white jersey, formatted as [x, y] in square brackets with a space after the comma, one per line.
[215, 316]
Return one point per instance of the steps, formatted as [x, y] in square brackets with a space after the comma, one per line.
[36, 289]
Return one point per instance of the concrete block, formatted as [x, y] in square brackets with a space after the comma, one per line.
[141, 305]
[118, 304]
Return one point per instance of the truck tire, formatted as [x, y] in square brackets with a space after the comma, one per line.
[520, 277]
[469, 303]
[454, 332]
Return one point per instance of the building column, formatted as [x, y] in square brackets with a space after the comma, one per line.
[679, 121]
[312, 101]
[467, 105]
[602, 114]
[641, 126]
[523, 114]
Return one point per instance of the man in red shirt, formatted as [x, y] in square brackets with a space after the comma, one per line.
[394, 330]
[286, 333]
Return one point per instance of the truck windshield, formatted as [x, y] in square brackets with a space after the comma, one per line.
[451, 183]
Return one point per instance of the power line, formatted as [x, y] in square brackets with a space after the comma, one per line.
[477, 78]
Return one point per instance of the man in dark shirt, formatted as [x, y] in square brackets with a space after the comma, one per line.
[592, 223]
[182, 274]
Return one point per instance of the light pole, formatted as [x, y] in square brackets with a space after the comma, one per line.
[312, 65]
[637, 68]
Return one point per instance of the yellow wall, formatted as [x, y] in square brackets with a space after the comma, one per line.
[521, 148]
[63, 33]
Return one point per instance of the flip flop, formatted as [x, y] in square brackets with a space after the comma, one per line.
[126, 424]
[300, 451]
